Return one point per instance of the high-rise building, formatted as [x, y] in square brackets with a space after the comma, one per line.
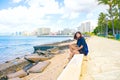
[86, 26]
[67, 31]
[43, 31]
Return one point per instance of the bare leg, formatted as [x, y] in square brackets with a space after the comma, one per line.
[71, 47]
[76, 52]
[73, 50]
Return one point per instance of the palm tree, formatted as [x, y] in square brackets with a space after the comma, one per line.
[117, 3]
[110, 4]
[116, 18]
[101, 21]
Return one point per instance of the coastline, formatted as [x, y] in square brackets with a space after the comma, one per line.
[16, 46]
[19, 63]
[55, 36]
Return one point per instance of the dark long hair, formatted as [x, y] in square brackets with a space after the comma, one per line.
[75, 37]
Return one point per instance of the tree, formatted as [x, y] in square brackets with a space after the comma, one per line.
[96, 30]
[110, 4]
[101, 22]
[117, 3]
[116, 19]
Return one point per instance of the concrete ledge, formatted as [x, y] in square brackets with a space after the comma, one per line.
[73, 69]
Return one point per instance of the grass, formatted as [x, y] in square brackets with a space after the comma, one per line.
[110, 37]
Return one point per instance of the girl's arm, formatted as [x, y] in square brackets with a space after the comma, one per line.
[79, 48]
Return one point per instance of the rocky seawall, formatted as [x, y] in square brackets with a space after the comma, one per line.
[43, 52]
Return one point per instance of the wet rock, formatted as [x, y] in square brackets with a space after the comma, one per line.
[20, 74]
[39, 67]
[35, 57]
[17, 78]
[12, 66]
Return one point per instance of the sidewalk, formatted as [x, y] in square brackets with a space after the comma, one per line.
[104, 60]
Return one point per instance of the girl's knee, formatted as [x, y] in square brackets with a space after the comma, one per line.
[70, 46]
[76, 52]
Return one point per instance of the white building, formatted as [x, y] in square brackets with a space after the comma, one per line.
[86, 26]
[43, 31]
[67, 31]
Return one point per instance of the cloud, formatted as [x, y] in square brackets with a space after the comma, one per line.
[13, 15]
[45, 6]
[78, 5]
[23, 17]
[70, 15]
[16, 1]
[73, 8]
[32, 14]
[94, 14]
[4, 28]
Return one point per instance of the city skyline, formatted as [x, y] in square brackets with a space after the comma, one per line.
[44, 31]
[27, 15]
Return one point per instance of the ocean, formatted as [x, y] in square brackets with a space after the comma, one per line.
[17, 46]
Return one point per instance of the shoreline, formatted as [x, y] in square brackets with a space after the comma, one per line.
[55, 36]
[27, 51]
[12, 47]
[91, 69]
[20, 62]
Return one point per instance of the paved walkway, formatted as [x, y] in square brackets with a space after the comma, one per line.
[104, 60]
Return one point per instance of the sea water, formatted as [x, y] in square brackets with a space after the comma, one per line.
[17, 46]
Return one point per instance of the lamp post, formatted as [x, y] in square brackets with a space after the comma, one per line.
[106, 27]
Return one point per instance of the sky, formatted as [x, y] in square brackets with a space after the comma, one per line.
[28, 15]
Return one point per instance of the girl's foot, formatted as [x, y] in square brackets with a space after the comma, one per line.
[69, 58]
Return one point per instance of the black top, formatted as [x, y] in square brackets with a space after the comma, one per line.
[81, 41]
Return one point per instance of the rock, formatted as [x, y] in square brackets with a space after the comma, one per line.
[54, 50]
[36, 57]
[20, 74]
[39, 67]
[17, 78]
[12, 66]
[42, 47]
